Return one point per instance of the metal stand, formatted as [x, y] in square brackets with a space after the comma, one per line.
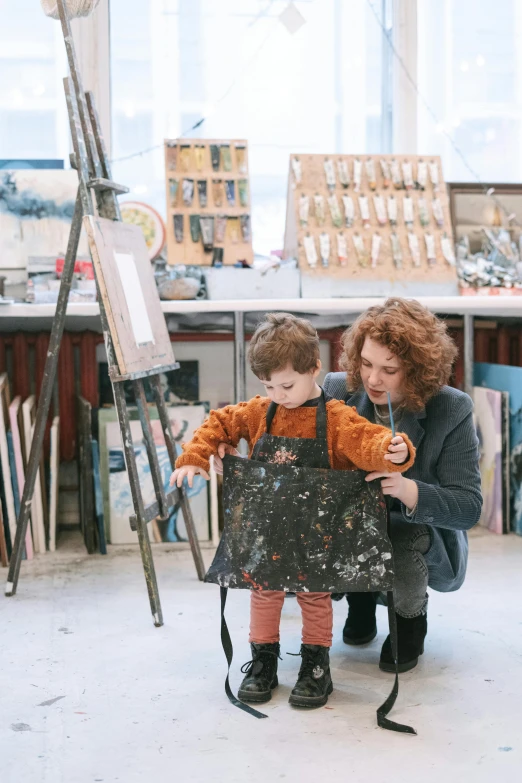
[91, 161]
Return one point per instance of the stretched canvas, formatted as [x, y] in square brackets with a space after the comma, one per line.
[53, 481]
[508, 379]
[488, 419]
[36, 209]
[37, 511]
[118, 506]
[15, 420]
[4, 456]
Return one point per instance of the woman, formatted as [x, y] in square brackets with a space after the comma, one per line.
[402, 348]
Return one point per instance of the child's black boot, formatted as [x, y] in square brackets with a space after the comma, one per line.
[261, 673]
[314, 683]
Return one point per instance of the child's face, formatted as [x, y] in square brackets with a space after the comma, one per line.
[290, 388]
[381, 372]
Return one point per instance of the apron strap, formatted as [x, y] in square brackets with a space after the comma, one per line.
[385, 709]
[320, 426]
[226, 641]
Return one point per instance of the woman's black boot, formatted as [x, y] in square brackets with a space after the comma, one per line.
[411, 632]
[361, 626]
[314, 683]
[261, 673]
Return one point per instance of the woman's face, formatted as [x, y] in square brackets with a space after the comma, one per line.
[381, 372]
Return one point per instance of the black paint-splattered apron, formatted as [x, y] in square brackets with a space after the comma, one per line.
[294, 524]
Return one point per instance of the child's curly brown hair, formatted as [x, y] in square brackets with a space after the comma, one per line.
[415, 336]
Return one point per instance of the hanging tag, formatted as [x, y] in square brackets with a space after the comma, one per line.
[173, 191]
[447, 249]
[396, 250]
[330, 174]
[342, 249]
[215, 156]
[357, 174]
[424, 215]
[335, 211]
[343, 172]
[324, 248]
[407, 174]
[430, 249]
[206, 224]
[376, 247]
[246, 231]
[407, 205]
[220, 228]
[310, 250]
[202, 192]
[434, 174]
[296, 168]
[362, 253]
[304, 209]
[438, 213]
[199, 153]
[188, 192]
[319, 209]
[241, 158]
[178, 228]
[349, 211]
[370, 173]
[233, 229]
[396, 174]
[194, 227]
[380, 209]
[217, 192]
[413, 244]
[392, 210]
[185, 157]
[242, 187]
[365, 210]
[386, 177]
[422, 174]
[226, 157]
[230, 191]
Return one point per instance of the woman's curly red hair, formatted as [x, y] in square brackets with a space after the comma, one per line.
[415, 336]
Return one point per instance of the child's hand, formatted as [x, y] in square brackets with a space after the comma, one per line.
[223, 448]
[189, 471]
[398, 449]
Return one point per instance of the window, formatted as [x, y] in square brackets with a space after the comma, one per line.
[470, 73]
[235, 63]
[33, 113]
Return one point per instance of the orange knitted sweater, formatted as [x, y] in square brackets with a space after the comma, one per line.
[353, 441]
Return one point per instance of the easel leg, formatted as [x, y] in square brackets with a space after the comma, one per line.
[143, 534]
[44, 401]
[183, 499]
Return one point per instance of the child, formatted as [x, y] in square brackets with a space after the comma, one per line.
[284, 355]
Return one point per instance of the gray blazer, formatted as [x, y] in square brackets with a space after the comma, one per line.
[446, 471]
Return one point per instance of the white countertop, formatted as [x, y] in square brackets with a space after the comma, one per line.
[492, 306]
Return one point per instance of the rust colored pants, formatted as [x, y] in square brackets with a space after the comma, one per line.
[265, 616]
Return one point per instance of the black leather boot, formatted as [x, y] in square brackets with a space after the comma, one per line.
[314, 683]
[361, 626]
[411, 632]
[261, 673]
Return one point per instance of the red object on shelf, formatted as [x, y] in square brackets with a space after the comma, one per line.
[81, 267]
[485, 291]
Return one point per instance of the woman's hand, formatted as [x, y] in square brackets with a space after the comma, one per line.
[188, 471]
[398, 450]
[223, 448]
[396, 485]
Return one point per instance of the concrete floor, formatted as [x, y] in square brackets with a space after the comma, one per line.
[91, 691]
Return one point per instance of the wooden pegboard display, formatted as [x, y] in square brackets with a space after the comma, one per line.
[327, 186]
[208, 201]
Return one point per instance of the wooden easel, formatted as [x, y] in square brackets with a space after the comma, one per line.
[91, 161]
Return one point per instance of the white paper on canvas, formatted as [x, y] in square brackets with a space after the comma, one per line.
[130, 282]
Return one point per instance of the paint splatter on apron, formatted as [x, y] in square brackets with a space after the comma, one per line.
[293, 524]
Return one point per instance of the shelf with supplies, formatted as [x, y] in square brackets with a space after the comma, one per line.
[208, 202]
[371, 219]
